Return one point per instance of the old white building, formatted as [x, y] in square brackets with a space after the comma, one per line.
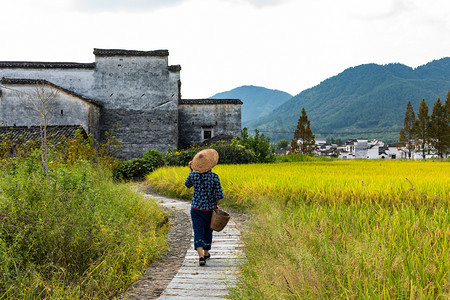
[137, 90]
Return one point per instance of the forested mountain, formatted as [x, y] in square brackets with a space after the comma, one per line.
[258, 101]
[367, 101]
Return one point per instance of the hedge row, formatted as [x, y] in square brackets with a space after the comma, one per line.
[229, 153]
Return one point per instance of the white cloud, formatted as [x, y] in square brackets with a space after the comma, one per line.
[378, 10]
[139, 5]
[121, 5]
[288, 45]
[260, 3]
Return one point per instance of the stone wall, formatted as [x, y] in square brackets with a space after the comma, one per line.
[220, 116]
[140, 94]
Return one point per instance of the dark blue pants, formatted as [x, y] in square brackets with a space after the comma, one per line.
[201, 221]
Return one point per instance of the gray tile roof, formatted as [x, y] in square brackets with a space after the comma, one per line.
[211, 101]
[44, 65]
[174, 68]
[121, 52]
[32, 133]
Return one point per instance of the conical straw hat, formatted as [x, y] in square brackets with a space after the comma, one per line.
[205, 160]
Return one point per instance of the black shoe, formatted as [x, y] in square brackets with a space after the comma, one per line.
[207, 256]
[202, 261]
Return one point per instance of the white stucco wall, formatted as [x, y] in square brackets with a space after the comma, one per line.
[17, 100]
[79, 81]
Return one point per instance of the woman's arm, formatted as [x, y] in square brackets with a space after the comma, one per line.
[188, 183]
[218, 193]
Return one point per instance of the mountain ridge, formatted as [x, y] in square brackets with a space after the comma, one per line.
[367, 101]
[257, 101]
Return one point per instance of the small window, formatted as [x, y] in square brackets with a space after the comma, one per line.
[207, 134]
[62, 112]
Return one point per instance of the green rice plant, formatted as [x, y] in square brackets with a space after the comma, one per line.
[339, 229]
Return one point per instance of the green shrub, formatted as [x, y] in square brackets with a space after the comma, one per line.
[259, 144]
[229, 153]
[10, 148]
[181, 157]
[76, 234]
[232, 153]
[138, 168]
[87, 148]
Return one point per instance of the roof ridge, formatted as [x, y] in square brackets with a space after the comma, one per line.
[45, 65]
[210, 101]
[123, 52]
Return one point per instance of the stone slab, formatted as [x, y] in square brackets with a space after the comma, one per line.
[212, 280]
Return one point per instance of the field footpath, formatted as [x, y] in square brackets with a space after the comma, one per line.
[213, 280]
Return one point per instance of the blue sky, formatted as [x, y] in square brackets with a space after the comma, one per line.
[290, 45]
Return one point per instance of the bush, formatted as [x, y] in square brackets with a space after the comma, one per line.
[282, 144]
[259, 144]
[181, 157]
[10, 148]
[76, 234]
[232, 153]
[138, 168]
[229, 153]
[79, 147]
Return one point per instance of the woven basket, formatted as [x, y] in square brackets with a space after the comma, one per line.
[219, 219]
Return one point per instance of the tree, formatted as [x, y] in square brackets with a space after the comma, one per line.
[282, 144]
[446, 137]
[447, 106]
[304, 139]
[40, 101]
[422, 127]
[438, 128]
[333, 140]
[259, 144]
[406, 133]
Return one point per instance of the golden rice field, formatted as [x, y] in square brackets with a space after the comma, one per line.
[325, 181]
[338, 229]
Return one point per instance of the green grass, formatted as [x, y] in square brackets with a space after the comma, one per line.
[339, 229]
[77, 235]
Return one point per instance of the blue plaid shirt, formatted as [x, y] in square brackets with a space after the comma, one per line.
[207, 189]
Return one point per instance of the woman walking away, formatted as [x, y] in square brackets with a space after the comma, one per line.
[207, 193]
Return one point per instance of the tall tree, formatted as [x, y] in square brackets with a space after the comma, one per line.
[407, 133]
[422, 127]
[304, 139]
[447, 106]
[438, 128]
[447, 115]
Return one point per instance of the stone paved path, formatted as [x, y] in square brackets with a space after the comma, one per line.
[213, 280]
